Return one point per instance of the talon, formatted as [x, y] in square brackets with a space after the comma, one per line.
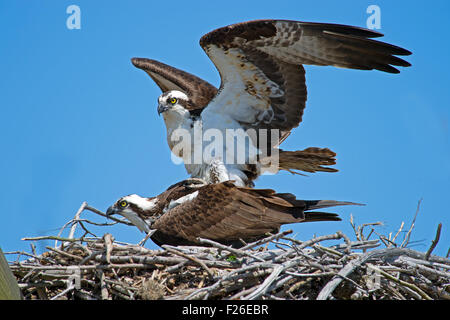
[195, 182]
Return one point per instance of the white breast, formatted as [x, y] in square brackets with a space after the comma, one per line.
[219, 149]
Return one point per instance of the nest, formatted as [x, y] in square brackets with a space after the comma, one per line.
[363, 268]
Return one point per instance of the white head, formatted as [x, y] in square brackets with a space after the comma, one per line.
[136, 209]
[173, 101]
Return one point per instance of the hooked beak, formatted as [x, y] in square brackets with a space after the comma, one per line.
[162, 109]
[111, 210]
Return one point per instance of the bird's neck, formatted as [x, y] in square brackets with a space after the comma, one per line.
[176, 118]
[178, 123]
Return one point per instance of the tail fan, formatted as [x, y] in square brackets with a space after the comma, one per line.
[309, 160]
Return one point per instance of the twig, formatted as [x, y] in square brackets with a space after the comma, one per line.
[75, 220]
[100, 213]
[201, 263]
[408, 234]
[147, 236]
[349, 268]
[70, 288]
[62, 239]
[398, 231]
[265, 240]
[404, 283]
[108, 240]
[434, 242]
[72, 256]
[238, 252]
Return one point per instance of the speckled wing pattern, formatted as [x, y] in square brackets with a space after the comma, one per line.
[260, 63]
[226, 213]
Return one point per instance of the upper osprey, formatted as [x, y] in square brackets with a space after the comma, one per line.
[262, 88]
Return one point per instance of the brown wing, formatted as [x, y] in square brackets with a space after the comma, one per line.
[226, 213]
[260, 63]
[169, 78]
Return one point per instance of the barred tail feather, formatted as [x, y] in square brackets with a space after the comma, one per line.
[309, 160]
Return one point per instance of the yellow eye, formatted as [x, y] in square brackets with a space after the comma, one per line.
[173, 100]
[123, 203]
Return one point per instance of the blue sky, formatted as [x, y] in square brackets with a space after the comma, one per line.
[79, 122]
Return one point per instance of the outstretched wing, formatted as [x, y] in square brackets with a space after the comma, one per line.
[260, 63]
[226, 213]
[169, 78]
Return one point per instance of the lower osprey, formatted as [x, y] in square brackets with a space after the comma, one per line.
[262, 88]
[221, 212]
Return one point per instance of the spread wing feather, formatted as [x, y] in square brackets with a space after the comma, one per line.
[169, 78]
[260, 65]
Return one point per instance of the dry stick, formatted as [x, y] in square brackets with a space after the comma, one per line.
[108, 240]
[100, 213]
[352, 223]
[388, 243]
[366, 244]
[311, 275]
[434, 242]
[347, 241]
[398, 232]
[408, 234]
[238, 252]
[23, 253]
[318, 247]
[33, 248]
[105, 224]
[75, 220]
[344, 272]
[335, 236]
[262, 289]
[265, 285]
[233, 275]
[70, 288]
[147, 236]
[63, 253]
[403, 283]
[103, 286]
[89, 257]
[179, 253]
[54, 238]
[74, 223]
[424, 262]
[84, 267]
[419, 265]
[265, 240]
[350, 267]
[241, 293]
[238, 282]
[371, 224]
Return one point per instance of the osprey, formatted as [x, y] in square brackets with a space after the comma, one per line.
[262, 89]
[221, 212]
